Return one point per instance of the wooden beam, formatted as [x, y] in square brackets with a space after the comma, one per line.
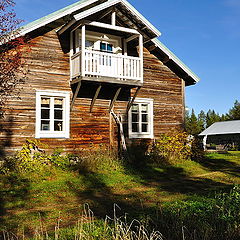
[130, 103]
[75, 95]
[114, 99]
[111, 27]
[151, 48]
[131, 38]
[121, 132]
[165, 60]
[66, 26]
[95, 97]
[109, 11]
[99, 80]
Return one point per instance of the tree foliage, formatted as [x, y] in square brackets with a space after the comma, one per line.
[234, 112]
[11, 51]
[196, 124]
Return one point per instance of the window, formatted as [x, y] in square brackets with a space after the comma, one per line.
[106, 47]
[52, 114]
[140, 118]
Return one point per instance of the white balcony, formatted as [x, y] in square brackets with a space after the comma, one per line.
[97, 64]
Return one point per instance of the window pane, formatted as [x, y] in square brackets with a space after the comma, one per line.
[135, 108]
[45, 102]
[58, 114]
[144, 108]
[144, 127]
[144, 118]
[58, 103]
[45, 125]
[45, 113]
[109, 47]
[134, 117]
[58, 126]
[135, 127]
[103, 46]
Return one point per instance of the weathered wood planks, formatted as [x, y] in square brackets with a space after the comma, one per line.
[49, 69]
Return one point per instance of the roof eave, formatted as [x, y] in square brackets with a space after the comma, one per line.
[176, 60]
[78, 6]
[54, 16]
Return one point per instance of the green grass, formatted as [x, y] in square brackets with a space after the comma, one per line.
[137, 190]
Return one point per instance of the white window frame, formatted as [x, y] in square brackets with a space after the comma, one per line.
[66, 114]
[148, 134]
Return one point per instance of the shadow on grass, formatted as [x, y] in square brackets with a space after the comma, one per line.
[13, 194]
[222, 165]
[168, 179]
[175, 180]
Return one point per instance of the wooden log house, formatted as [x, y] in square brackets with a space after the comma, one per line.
[96, 70]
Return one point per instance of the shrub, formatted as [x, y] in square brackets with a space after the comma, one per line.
[197, 151]
[170, 148]
[59, 160]
[29, 159]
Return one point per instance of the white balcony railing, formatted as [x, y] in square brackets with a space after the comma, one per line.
[103, 64]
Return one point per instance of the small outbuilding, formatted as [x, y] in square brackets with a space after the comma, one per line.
[222, 135]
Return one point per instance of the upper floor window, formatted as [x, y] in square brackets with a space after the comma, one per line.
[140, 119]
[52, 114]
[106, 47]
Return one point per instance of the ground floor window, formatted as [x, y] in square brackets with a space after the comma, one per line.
[52, 114]
[140, 118]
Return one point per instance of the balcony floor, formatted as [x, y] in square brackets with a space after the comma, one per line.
[109, 80]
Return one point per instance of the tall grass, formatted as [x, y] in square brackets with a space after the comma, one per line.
[87, 228]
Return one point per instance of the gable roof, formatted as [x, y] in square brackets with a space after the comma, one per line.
[73, 8]
[218, 128]
[84, 8]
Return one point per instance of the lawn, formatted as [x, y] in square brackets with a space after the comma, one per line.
[27, 201]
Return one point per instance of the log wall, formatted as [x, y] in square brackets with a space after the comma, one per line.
[48, 69]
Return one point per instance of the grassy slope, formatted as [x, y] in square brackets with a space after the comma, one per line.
[63, 193]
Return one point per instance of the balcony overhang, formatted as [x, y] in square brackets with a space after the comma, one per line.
[121, 8]
[108, 80]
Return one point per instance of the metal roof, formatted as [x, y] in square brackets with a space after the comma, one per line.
[218, 128]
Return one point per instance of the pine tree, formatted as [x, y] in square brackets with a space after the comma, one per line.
[212, 117]
[201, 121]
[192, 123]
[234, 112]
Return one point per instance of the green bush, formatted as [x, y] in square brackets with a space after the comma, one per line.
[28, 160]
[172, 147]
[197, 151]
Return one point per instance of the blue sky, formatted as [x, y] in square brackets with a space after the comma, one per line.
[204, 34]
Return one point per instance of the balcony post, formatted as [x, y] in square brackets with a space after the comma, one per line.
[113, 18]
[141, 56]
[83, 50]
[71, 53]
